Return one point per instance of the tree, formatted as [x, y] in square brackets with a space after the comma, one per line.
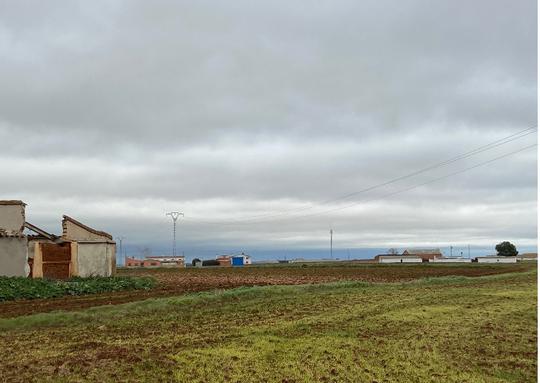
[506, 249]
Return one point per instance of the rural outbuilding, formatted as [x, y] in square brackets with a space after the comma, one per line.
[398, 259]
[425, 254]
[451, 260]
[134, 262]
[80, 251]
[495, 259]
[224, 260]
[94, 250]
[156, 261]
[240, 260]
[527, 257]
[13, 243]
[168, 260]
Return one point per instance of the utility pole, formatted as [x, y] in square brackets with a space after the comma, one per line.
[174, 215]
[469, 250]
[120, 239]
[451, 248]
[331, 243]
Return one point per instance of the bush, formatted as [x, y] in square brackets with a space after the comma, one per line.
[12, 288]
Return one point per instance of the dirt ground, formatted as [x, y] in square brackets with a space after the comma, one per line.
[180, 281]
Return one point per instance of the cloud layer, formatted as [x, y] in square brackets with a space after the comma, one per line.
[116, 112]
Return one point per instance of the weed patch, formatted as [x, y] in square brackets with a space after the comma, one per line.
[12, 288]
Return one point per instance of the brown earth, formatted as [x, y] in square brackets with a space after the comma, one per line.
[180, 281]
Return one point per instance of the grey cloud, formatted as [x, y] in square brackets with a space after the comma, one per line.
[244, 107]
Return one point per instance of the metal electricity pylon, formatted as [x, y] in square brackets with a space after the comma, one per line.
[121, 239]
[331, 244]
[174, 215]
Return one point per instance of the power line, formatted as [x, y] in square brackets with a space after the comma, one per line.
[423, 183]
[392, 193]
[443, 163]
[480, 149]
[475, 151]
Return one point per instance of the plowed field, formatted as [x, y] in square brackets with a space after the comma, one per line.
[179, 281]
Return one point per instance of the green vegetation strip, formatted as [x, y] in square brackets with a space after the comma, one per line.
[12, 288]
[452, 329]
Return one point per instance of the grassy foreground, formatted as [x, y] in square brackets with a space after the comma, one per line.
[12, 288]
[451, 329]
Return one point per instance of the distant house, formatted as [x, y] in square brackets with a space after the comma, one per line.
[168, 261]
[133, 262]
[155, 261]
[425, 254]
[377, 258]
[241, 260]
[495, 259]
[224, 260]
[385, 258]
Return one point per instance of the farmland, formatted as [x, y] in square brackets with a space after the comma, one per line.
[368, 324]
[172, 282]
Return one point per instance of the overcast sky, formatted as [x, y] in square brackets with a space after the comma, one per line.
[249, 115]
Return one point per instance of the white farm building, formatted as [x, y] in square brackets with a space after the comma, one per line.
[399, 259]
[451, 260]
[495, 259]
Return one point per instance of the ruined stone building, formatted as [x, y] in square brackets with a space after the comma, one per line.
[13, 243]
[79, 251]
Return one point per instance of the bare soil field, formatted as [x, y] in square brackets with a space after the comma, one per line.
[173, 282]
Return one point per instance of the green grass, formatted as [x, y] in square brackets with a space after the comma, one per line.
[450, 329]
[12, 288]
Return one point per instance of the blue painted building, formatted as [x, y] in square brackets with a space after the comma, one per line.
[237, 261]
[241, 260]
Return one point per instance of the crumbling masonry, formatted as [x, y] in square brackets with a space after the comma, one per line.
[79, 251]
